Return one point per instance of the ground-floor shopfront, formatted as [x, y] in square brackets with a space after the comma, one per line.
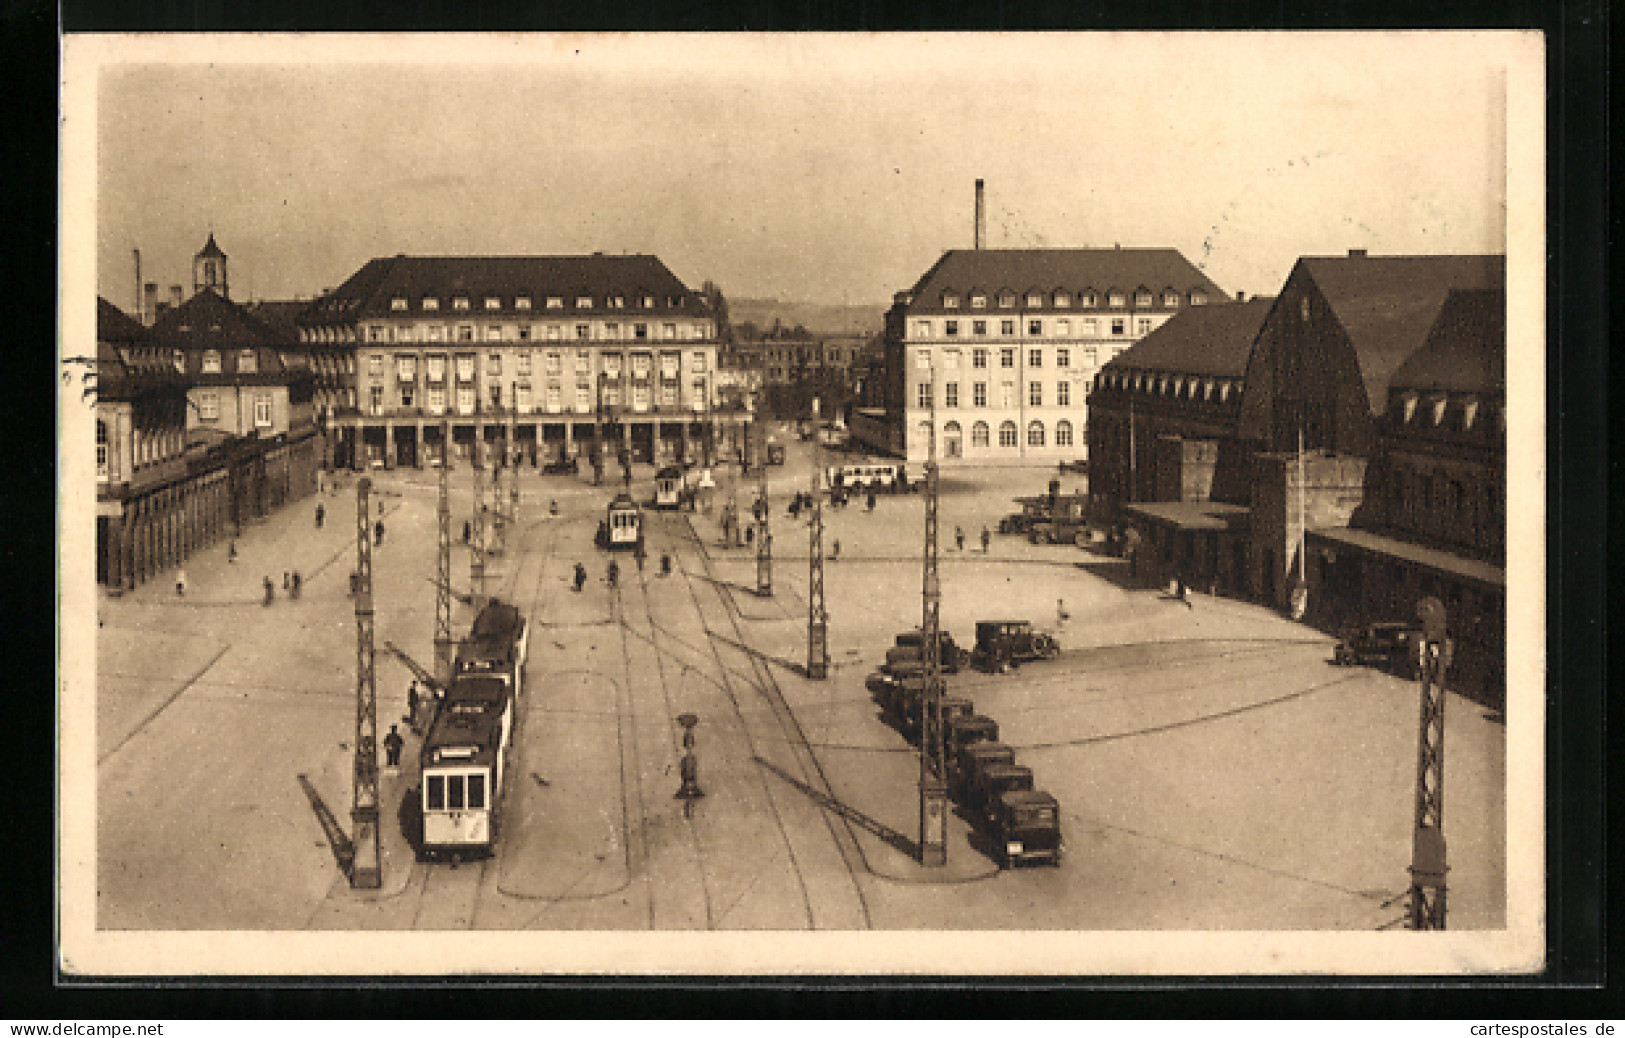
[158, 526]
[381, 441]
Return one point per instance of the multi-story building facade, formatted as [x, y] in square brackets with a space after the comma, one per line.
[1002, 346]
[529, 355]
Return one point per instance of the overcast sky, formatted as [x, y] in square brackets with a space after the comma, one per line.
[808, 168]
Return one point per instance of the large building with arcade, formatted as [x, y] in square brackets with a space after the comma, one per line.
[535, 357]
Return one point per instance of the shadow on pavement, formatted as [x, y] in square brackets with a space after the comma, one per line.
[411, 821]
[799, 669]
[885, 832]
[343, 849]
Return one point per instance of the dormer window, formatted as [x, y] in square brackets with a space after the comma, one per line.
[431, 303]
[1142, 297]
[1439, 406]
[583, 302]
[555, 302]
[178, 358]
[1062, 300]
[617, 302]
[1170, 298]
[1034, 300]
[1116, 299]
[950, 301]
[1198, 298]
[1007, 300]
[398, 303]
[648, 302]
[1469, 414]
[247, 363]
[211, 361]
[1408, 406]
[459, 302]
[493, 303]
[521, 303]
[1089, 299]
[978, 302]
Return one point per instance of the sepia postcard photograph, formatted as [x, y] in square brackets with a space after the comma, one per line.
[1012, 504]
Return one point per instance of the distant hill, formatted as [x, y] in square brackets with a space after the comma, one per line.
[818, 318]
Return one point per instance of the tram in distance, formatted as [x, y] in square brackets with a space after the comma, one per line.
[622, 528]
[464, 761]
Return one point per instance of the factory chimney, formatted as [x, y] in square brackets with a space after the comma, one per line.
[149, 303]
[140, 314]
[175, 297]
[981, 215]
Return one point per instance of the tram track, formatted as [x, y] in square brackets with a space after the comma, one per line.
[845, 842]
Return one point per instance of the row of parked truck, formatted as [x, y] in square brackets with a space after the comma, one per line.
[1022, 823]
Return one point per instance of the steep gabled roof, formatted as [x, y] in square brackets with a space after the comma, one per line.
[1465, 350]
[1071, 270]
[209, 321]
[369, 291]
[281, 315]
[210, 249]
[1199, 340]
[1387, 304]
[115, 326]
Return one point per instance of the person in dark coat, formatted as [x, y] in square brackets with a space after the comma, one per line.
[321, 515]
[392, 748]
[581, 576]
[270, 591]
[987, 538]
[871, 501]
[614, 573]
[959, 538]
[378, 532]
[294, 588]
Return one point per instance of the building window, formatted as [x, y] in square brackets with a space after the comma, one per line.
[437, 367]
[262, 410]
[493, 303]
[493, 333]
[696, 363]
[978, 394]
[1007, 300]
[640, 396]
[1142, 297]
[430, 303]
[583, 302]
[950, 301]
[398, 303]
[922, 329]
[1063, 327]
[1063, 357]
[521, 398]
[1088, 299]
[403, 333]
[1116, 299]
[923, 395]
[465, 367]
[459, 302]
[1142, 325]
[978, 357]
[521, 303]
[555, 302]
[1007, 434]
[583, 331]
[1062, 300]
[432, 332]
[1007, 394]
[211, 362]
[1198, 298]
[950, 394]
[699, 396]
[465, 333]
[555, 362]
[640, 365]
[583, 396]
[493, 364]
[1119, 326]
[1063, 394]
[375, 364]
[648, 302]
[406, 368]
[1035, 434]
[523, 364]
[978, 434]
[406, 394]
[1035, 394]
[978, 327]
[1007, 327]
[950, 358]
[1007, 357]
[247, 362]
[437, 399]
[553, 397]
[978, 302]
[952, 440]
[668, 330]
[1035, 358]
[668, 394]
[950, 327]
[1034, 300]
[1063, 433]
[465, 399]
[640, 330]
[208, 407]
[1170, 299]
[583, 360]
[375, 399]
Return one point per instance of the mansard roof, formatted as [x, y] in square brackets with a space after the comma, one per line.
[370, 291]
[1073, 271]
[1465, 350]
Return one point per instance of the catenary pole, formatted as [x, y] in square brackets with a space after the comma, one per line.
[365, 867]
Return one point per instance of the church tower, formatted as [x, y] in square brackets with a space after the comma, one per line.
[209, 269]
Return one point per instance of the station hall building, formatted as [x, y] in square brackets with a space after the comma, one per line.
[528, 356]
[999, 347]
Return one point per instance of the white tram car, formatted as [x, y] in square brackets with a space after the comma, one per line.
[466, 749]
[622, 529]
[669, 487]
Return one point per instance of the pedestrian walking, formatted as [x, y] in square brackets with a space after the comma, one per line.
[231, 553]
[380, 508]
[468, 531]
[412, 703]
[270, 590]
[180, 583]
[665, 565]
[378, 532]
[392, 747]
[638, 556]
[321, 516]
[581, 576]
[750, 535]
[614, 574]
[835, 551]
[287, 580]
[294, 591]
[987, 538]
[552, 508]
[870, 503]
[1183, 592]
[959, 538]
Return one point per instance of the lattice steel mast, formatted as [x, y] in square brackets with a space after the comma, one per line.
[476, 558]
[499, 521]
[365, 868]
[933, 754]
[1428, 859]
[764, 530]
[817, 615]
[442, 597]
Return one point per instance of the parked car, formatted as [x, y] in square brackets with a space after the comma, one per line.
[1002, 644]
[1390, 643]
[1026, 827]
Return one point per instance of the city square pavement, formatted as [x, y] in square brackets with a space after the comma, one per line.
[1214, 770]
